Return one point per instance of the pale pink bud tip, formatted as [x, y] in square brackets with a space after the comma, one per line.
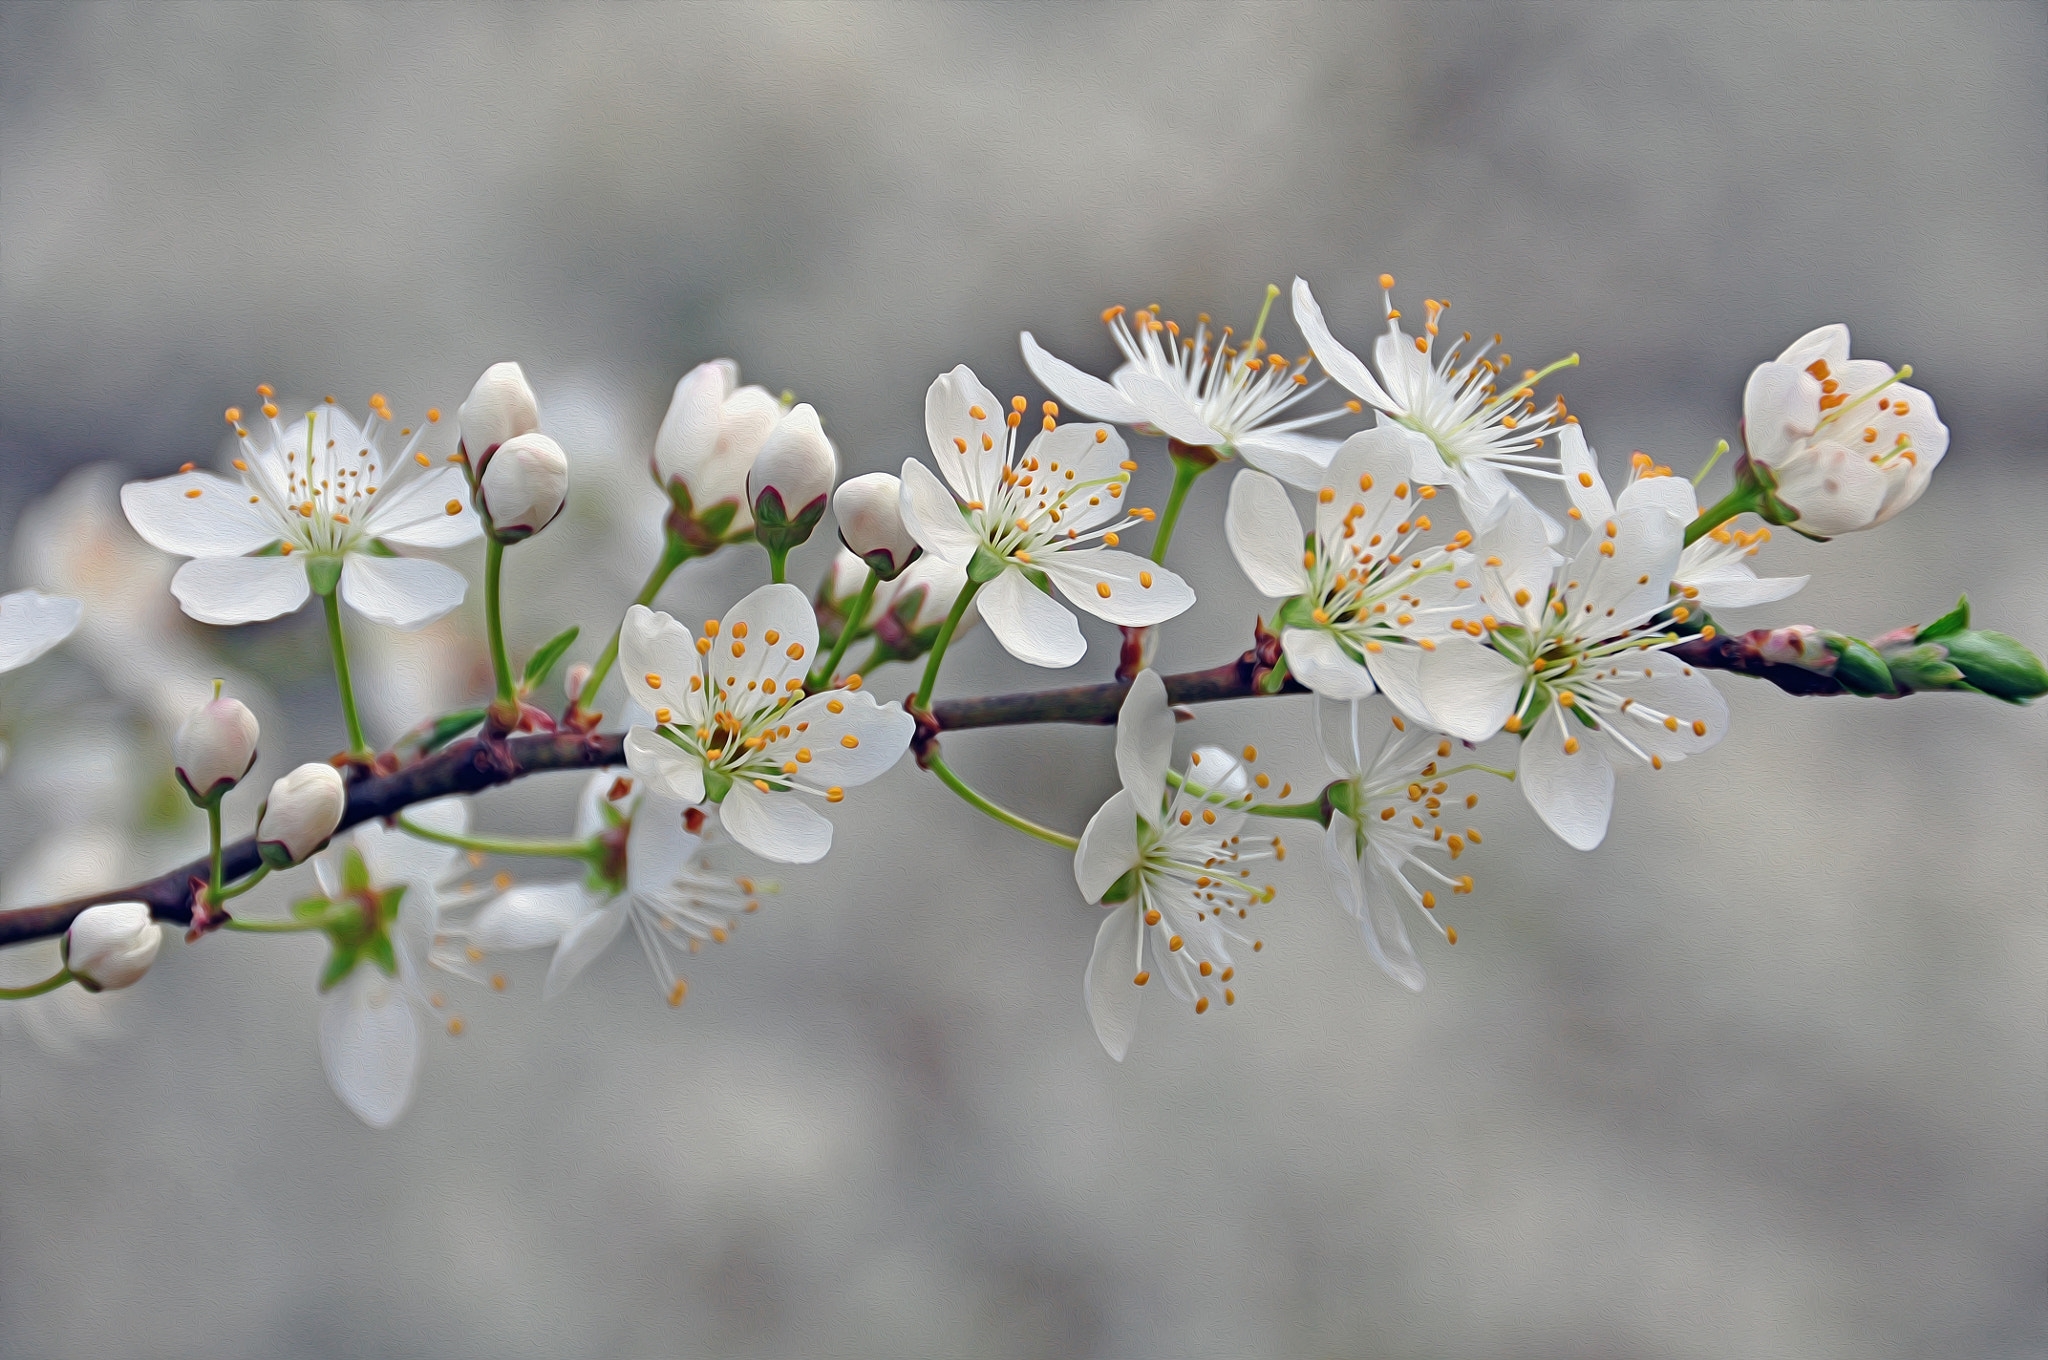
[215, 747]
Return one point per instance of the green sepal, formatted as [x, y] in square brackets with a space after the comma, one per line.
[1997, 665]
[1296, 612]
[1585, 717]
[1859, 668]
[887, 568]
[273, 853]
[985, 566]
[341, 961]
[377, 547]
[1340, 796]
[310, 908]
[323, 574]
[694, 533]
[355, 875]
[1923, 667]
[380, 952]
[1955, 621]
[274, 548]
[1538, 706]
[717, 784]
[777, 529]
[544, 660]
[1121, 890]
[1274, 680]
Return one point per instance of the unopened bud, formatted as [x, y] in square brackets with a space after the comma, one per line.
[870, 516]
[501, 407]
[792, 479]
[573, 681]
[708, 441]
[214, 748]
[111, 945]
[1797, 644]
[524, 486]
[302, 811]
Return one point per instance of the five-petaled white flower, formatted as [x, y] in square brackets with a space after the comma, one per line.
[1464, 430]
[317, 497]
[732, 723]
[1367, 601]
[1848, 442]
[1045, 515]
[1199, 390]
[1567, 655]
[32, 623]
[1386, 824]
[1177, 859]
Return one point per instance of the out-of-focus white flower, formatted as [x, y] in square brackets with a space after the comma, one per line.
[110, 946]
[525, 486]
[1177, 861]
[1464, 429]
[318, 499]
[215, 747]
[1367, 600]
[1039, 517]
[499, 408]
[1847, 441]
[708, 440]
[870, 514]
[733, 725]
[1386, 826]
[1200, 390]
[31, 623]
[792, 477]
[1566, 657]
[302, 811]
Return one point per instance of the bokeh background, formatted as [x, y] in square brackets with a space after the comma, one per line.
[1765, 1075]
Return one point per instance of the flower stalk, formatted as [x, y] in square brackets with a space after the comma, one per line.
[358, 748]
[936, 763]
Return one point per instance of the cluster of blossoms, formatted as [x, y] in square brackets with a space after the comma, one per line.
[1578, 632]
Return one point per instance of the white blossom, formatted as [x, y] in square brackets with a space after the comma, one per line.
[501, 407]
[869, 509]
[524, 486]
[796, 464]
[111, 945]
[215, 747]
[300, 814]
[31, 623]
[709, 438]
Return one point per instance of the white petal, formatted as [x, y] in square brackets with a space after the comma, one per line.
[370, 1045]
[1121, 587]
[1834, 489]
[1031, 625]
[1582, 480]
[392, 857]
[768, 636]
[1376, 910]
[1340, 363]
[1167, 407]
[1109, 988]
[1780, 406]
[1144, 743]
[1573, 793]
[663, 766]
[415, 515]
[581, 944]
[1632, 583]
[881, 734]
[1109, 846]
[1089, 395]
[653, 644]
[968, 449]
[1319, 661]
[1297, 459]
[934, 518]
[1397, 671]
[1673, 495]
[1739, 588]
[31, 624]
[1518, 538]
[1681, 694]
[1830, 342]
[777, 826]
[1265, 535]
[1469, 688]
[404, 592]
[229, 590]
[218, 522]
[531, 916]
[1337, 733]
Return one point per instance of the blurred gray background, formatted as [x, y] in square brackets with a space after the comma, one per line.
[1765, 1075]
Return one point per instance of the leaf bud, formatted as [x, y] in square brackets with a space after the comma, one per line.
[524, 486]
[870, 514]
[214, 748]
[791, 479]
[501, 407]
[111, 945]
[302, 811]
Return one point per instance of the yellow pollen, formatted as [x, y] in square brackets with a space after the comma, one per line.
[835, 705]
[453, 507]
[1141, 979]
[1173, 945]
[1571, 746]
[835, 794]
[1102, 589]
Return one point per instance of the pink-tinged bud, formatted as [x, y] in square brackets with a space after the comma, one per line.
[869, 510]
[524, 486]
[1797, 644]
[214, 748]
[574, 680]
[302, 811]
[501, 407]
[709, 438]
[111, 946]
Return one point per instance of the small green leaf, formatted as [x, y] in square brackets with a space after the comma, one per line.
[1955, 621]
[1998, 665]
[1924, 667]
[544, 660]
[450, 726]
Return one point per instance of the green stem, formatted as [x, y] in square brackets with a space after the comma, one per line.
[878, 655]
[946, 630]
[1309, 811]
[48, 984]
[339, 646]
[674, 552]
[855, 617]
[778, 564]
[937, 765]
[494, 559]
[490, 845]
[223, 894]
[1740, 500]
[213, 860]
[273, 927]
[1185, 470]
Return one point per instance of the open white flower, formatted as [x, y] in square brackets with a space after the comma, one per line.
[1849, 444]
[313, 498]
[1177, 861]
[1043, 516]
[1386, 828]
[1366, 601]
[1464, 430]
[1199, 390]
[1567, 656]
[733, 725]
[32, 623]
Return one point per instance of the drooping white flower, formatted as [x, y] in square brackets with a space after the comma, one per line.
[733, 725]
[300, 814]
[524, 486]
[1568, 656]
[111, 945]
[316, 495]
[1387, 828]
[1046, 513]
[1464, 429]
[869, 509]
[709, 438]
[215, 747]
[31, 623]
[1849, 443]
[1367, 601]
[1200, 390]
[1180, 864]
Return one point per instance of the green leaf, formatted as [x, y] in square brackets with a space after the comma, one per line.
[544, 660]
[1860, 669]
[1955, 621]
[450, 726]
[1924, 667]
[1998, 665]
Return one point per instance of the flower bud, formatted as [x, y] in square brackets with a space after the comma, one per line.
[1797, 644]
[708, 441]
[870, 516]
[574, 680]
[302, 811]
[524, 486]
[214, 748]
[111, 945]
[792, 479]
[906, 616]
[501, 407]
